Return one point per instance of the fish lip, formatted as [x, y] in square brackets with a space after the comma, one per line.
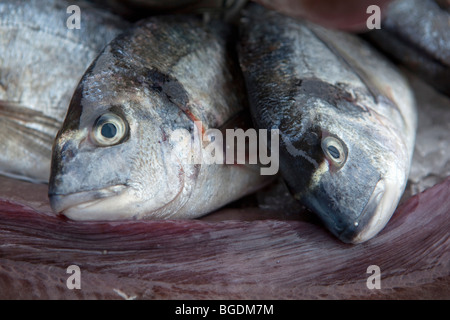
[373, 217]
[60, 202]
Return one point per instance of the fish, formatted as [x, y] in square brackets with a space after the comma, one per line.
[116, 157]
[419, 40]
[227, 259]
[347, 119]
[41, 62]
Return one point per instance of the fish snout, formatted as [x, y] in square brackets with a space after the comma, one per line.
[354, 214]
[83, 175]
[375, 215]
[63, 161]
[354, 222]
[58, 202]
[85, 205]
[362, 228]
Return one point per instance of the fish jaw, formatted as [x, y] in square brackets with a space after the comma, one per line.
[101, 204]
[376, 214]
[118, 202]
[360, 225]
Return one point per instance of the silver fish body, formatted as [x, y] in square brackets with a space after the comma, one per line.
[155, 80]
[41, 62]
[347, 119]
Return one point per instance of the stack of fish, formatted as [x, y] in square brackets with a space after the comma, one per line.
[346, 117]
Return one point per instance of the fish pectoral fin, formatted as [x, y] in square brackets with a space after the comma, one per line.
[21, 113]
[28, 128]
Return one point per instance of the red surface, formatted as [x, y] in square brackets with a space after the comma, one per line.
[261, 259]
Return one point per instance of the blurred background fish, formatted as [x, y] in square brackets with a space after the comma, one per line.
[41, 62]
[416, 34]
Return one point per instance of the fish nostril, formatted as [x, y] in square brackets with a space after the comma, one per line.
[67, 153]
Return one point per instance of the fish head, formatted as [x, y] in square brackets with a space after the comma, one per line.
[112, 158]
[346, 167]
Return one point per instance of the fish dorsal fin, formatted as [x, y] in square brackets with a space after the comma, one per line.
[29, 127]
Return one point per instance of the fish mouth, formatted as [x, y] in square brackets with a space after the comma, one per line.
[374, 216]
[84, 205]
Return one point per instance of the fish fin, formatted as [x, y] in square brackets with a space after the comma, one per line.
[23, 177]
[21, 124]
[19, 112]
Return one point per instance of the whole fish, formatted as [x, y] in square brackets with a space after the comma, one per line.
[347, 119]
[116, 157]
[420, 39]
[41, 62]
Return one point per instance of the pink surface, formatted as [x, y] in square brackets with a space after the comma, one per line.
[233, 259]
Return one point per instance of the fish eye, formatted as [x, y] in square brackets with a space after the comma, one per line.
[109, 129]
[334, 150]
